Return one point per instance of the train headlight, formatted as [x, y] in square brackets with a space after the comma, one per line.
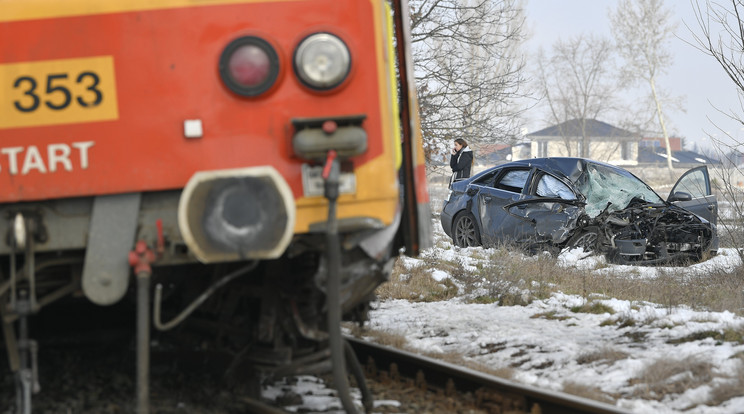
[228, 215]
[322, 61]
[249, 66]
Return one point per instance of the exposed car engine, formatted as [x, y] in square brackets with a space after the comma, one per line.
[645, 234]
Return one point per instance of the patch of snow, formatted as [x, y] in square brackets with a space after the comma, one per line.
[439, 275]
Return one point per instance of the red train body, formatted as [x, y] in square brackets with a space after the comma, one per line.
[211, 133]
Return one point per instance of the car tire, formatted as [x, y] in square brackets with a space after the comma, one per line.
[465, 232]
[586, 239]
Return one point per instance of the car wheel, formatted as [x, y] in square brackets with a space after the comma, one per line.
[586, 239]
[466, 232]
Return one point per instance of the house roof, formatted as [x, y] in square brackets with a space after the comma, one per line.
[658, 155]
[572, 128]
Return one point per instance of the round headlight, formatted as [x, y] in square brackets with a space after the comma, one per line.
[322, 61]
[249, 66]
[237, 214]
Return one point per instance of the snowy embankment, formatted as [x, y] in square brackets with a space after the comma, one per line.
[644, 357]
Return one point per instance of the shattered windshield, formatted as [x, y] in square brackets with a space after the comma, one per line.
[602, 185]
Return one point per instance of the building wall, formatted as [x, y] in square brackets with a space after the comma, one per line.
[521, 152]
[607, 151]
[674, 142]
[612, 152]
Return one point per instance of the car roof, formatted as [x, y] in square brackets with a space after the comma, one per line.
[570, 167]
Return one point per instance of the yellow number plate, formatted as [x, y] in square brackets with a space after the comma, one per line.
[52, 92]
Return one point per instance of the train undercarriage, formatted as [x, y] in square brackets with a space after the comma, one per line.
[275, 317]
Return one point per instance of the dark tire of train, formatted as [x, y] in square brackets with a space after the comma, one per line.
[466, 232]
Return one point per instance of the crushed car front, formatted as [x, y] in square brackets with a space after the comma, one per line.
[632, 224]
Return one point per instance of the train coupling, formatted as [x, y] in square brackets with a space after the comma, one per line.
[315, 137]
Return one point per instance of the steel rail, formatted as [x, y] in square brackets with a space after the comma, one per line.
[438, 374]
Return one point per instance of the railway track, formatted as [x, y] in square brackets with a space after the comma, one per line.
[91, 374]
[492, 394]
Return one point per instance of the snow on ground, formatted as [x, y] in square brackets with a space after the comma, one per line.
[726, 260]
[545, 341]
[548, 349]
[549, 346]
[312, 395]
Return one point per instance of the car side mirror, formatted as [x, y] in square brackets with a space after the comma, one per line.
[471, 191]
[680, 196]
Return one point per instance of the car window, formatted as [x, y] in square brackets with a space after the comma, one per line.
[486, 179]
[549, 186]
[694, 183]
[513, 181]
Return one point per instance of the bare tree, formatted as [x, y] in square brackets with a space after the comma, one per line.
[577, 83]
[468, 68]
[642, 29]
[722, 39]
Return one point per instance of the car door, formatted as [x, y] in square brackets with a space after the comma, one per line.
[701, 200]
[496, 224]
[549, 211]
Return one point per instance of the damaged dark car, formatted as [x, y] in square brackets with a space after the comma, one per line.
[550, 204]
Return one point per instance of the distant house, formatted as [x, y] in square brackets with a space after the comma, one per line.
[675, 143]
[521, 151]
[681, 158]
[653, 151]
[492, 154]
[605, 142]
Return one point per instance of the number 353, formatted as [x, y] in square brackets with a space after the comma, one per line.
[57, 92]
[55, 85]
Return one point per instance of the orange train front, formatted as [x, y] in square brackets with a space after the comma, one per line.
[207, 132]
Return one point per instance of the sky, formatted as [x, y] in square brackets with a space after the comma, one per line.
[696, 77]
[551, 348]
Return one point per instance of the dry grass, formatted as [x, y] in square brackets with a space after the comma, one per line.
[596, 308]
[512, 278]
[622, 321]
[508, 276]
[720, 336]
[550, 315]
[416, 284]
[729, 389]
[586, 391]
[604, 355]
[384, 338]
[671, 376]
